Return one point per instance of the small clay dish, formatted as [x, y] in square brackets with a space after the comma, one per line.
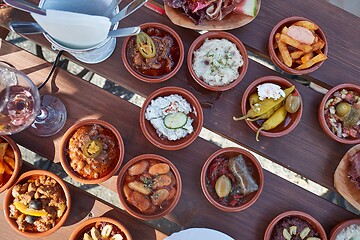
[35, 174]
[342, 226]
[217, 35]
[163, 142]
[158, 70]
[293, 215]
[74, 159]
[86, 226]
[291, 120]
[321, 113]
[222, 157]
[160, 199]
[277, 29]
[13, 161]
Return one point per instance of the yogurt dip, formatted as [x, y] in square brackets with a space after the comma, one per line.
[270, 90]
[217, 62]
[351, 232]
[161, 107]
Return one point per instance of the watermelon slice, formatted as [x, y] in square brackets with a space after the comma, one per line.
[247, 7]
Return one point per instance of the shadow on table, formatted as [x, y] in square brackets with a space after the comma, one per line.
[81, 206]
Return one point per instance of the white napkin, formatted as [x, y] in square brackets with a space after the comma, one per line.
[199, 234]
[74, 30]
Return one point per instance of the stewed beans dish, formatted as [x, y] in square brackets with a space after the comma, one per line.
[92, 151]
[38, 204]
[149, 186]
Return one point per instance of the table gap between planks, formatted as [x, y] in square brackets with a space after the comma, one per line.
[84, 100]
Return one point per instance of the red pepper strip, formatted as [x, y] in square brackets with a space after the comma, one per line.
[155, 7]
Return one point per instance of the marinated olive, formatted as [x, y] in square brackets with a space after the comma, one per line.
[343, 109]
[223, 186]
[35, 204]
[292, 103]
[30, 219]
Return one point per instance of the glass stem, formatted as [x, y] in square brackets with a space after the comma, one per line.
[42, 114]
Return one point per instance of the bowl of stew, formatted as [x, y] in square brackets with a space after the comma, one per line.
[232, 179]
[294, 225]
[107, 228]
[92, 151]
[339, 113]
[10, 162]
[38, 204]
[155, 54]
[149, 186]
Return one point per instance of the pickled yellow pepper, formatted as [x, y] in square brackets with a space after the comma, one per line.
[275, 119]
[265, 115]
[263, 106]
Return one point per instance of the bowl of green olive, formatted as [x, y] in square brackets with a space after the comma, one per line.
[92, 151]
[339, 113]
[271, 106]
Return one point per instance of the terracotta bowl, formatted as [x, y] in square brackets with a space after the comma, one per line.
[304, 216]
[321, 116]
[64, 158]
[133, 210]
[88, 224]
[291, 120]
[217, 35]
[257, 174]
[148, 78]
[338, 228]
[150, 132]
[9, 199]
[18, 162]
[278, 27]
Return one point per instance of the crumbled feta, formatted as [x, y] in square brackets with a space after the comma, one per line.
[270, 90]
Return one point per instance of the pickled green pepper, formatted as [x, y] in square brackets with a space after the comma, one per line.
[263, 106]
[275, 119]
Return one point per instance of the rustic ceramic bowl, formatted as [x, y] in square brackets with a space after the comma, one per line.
[18, 163]
[217, 35]
[278, 27]
[304, 216]
[257, 174]
[9, 199]
[321, 116]
[88, 224]
[291, 120]
[338, 228]
[64, 158]
[133, 210]
[152, 79]
[150, 132]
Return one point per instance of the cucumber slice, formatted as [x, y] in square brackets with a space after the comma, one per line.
[175, 120]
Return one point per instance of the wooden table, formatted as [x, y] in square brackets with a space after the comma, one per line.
[306, 146]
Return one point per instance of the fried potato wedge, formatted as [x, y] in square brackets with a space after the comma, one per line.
[3, 147]
[306, 24]
[283, 50]
[7, 169]
[307, 57]
[294, 43]
[296, 54]
[318, 58]
[2, 167]
[10, 161]
[10, 152]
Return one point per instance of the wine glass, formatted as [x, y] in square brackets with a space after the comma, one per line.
[21, 106]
